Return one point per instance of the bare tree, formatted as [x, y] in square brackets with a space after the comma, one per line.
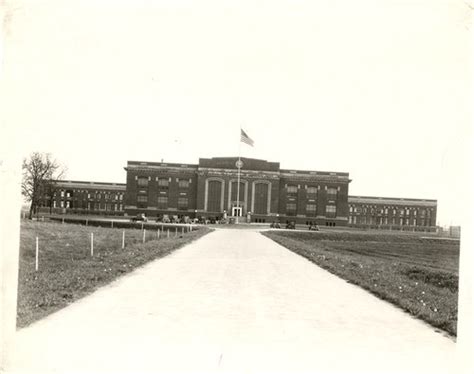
[40, 173]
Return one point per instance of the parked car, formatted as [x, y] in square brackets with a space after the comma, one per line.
[290, 225]
[166, 218]
[314, 227]
[139, 218]
[275, 225]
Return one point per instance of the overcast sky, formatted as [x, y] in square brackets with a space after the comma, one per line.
[379, 89]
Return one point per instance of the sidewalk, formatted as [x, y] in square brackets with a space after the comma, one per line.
[232, 302]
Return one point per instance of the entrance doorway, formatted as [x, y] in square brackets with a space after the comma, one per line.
[237, 211]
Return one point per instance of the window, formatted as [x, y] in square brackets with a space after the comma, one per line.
[54, 204]
[414, 221]
[351, 209]
[312, 190]
[292, 189]
[401, 221]
[414, 213]
[422, 212]
[183, 183]
[407, 221]
[68, 204]
[98, 196]
[407, 211]
[142, 198]
[350, 219]
[162, 201]
[163, 182]
[62, 193]
[330, 210]
[291, 208]
[332, 193]
[311, 209]
[62, 204]
[120, 208]
[142, 181]
[386, 210]
[88, 195]
[121, 197]
[182, 203]
[68, 193]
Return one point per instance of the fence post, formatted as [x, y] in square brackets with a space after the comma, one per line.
[158, 233]
[123, 239]
[92, 244]
[175, 232]
[37, 254]
[182, 230]
[144, 233]
[142, 225]
[168, 233]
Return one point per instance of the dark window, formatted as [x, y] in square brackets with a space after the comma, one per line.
[163, 182]
[142, 198]
[182, 203]
[142, 181]
[311, 209]
[163, 201]
[261, 198]
[291, 209]
[331, 211]
[332, 193]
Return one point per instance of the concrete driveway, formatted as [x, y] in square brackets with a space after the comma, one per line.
[232, 302]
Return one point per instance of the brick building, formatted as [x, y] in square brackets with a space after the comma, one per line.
[76, 197]
[209, 188]
[266, 194]
[392, 213]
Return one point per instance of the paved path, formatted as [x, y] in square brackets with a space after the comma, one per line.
[232, 302]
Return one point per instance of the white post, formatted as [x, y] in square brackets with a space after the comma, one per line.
[37, 253]
[142, 225]
[175, 232]
[158, 233]
[168, 233]
[144, 233]
[92, 244]
[123, 239]
[182, 230]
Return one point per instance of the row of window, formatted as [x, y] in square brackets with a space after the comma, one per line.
[162, 182]
[142, 201]
[98, 195]
[310, 209]
[90, 206]
[401, 212]
[385, 221]
[331, 192]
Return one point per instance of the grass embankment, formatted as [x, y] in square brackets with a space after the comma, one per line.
[67, 271]
[418, 275]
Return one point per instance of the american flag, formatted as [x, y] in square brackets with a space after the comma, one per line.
[245, 138]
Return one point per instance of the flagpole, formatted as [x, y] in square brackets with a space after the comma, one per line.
[238, 179]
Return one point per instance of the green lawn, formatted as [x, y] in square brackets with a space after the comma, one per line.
[419, 275]
[67, 271]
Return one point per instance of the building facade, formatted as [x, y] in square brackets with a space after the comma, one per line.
[263, 192]
[392, 213]
[76, 197]
[212, 189]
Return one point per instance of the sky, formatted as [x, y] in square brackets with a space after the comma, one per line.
[380, 89]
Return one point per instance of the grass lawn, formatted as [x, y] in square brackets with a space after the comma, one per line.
[67, 271]
[419, 275]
